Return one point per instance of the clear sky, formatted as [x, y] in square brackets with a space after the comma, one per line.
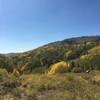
[27, 24]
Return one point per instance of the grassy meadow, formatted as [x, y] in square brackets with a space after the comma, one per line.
[67, 86]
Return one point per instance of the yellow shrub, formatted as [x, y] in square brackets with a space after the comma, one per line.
[16, 72]
[84, 56]
[68, 53]
[97, 78]
[59, 67]
[95, 50]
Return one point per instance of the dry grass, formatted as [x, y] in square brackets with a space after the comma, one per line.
[69, 86]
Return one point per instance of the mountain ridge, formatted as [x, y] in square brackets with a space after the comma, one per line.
[57, 42]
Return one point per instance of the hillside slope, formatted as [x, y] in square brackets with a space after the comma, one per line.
[44, 56]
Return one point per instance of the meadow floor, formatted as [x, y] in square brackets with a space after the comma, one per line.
[69, 86]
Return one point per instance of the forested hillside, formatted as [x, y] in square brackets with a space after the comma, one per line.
[83, 53]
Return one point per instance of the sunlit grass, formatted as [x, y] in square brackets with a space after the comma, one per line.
[66, 86]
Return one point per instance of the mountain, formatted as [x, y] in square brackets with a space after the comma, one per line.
[70, 50]
[10, 54]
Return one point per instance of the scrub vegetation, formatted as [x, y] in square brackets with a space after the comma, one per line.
[63, 70]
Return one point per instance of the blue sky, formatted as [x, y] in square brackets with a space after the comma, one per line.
[27, 24]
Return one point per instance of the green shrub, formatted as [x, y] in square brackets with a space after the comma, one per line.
[3, 74]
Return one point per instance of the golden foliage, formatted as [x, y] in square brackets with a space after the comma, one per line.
[59, 67]
[97, 78]
[84, 56]
[95, 50]
[16, 72]
[88, 57]
[67, 53]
